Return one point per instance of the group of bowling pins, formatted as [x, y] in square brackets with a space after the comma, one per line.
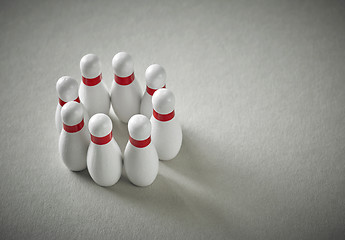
[154, 132]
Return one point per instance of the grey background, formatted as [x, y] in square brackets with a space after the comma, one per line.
[259, 89]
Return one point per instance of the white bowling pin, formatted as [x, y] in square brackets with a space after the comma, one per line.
[92, 91]
[125, 90]
[155, 78]
[67, 90]
[74, 138]
[104, 158]
[166, 131]
[140, 157]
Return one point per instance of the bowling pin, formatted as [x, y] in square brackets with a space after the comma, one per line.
[155, 78]
[166, 130]
[125, 90]
[104, 158]
[92, 91]
[67, 89]
[140, 156]
[74, 138]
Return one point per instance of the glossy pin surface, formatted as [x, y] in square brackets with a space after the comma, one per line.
[125, 91]
[74, 138]
[140, 156]
[166, 130]
[92, 91]
[104, 158]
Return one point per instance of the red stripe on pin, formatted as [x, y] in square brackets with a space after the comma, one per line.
[140, 143]
[163, 117]
[92, 81]
[124, 80]
[74, 128]
[102, 140]
[61, 102]
[151, 91]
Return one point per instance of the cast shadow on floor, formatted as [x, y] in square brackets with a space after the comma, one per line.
[188, 183]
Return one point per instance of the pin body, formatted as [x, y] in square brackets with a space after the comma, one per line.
[155, 76]
[73, 143]
[104, 158]
[166, 130]
[92, 91]
[140, 156]
[125, 92]
[125, 100]
[73, 148]
[95, 99]
[104, 163]
[167, 138]
[67, 90]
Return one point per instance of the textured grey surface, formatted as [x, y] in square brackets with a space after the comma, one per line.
[260, 93]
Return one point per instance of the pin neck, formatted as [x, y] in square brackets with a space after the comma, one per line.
[124, 80]
[74, 128]
[92, 81]
[164, 117]
[61, 102]
[151, 91]
[101, 140]
[140, 143]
